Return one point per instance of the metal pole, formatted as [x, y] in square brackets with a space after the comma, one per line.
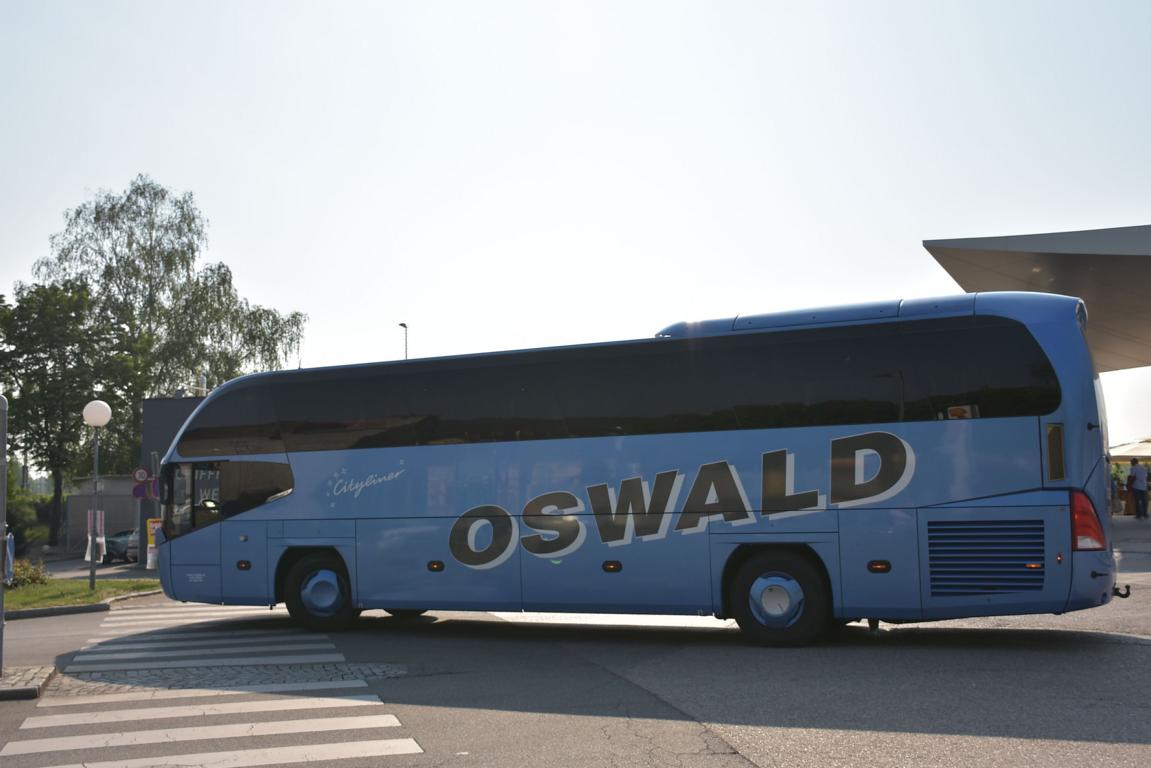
[95, 507]
[3, 515]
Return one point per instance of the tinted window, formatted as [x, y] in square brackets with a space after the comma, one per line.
[915, 371]
[200, 494]
[472, 402]
[239, 421]
[842, 376]
[983, 367]
[642, 389]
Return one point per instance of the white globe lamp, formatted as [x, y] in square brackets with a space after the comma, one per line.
[96, 414]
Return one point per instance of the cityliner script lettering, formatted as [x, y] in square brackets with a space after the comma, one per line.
[645, 510]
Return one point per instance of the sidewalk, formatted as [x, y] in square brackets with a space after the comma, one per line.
[77, 568]
[1132, 542]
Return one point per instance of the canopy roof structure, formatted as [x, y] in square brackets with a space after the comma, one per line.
[1110, 269]
[1137, 450]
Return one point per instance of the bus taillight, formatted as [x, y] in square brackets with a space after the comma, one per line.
[1086, 530]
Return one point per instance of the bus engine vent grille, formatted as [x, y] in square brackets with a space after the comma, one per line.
[985, 557]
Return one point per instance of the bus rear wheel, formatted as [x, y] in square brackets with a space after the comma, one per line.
[317, 594]
[780, 598]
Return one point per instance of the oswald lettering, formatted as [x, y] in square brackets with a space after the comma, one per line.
[865, 469]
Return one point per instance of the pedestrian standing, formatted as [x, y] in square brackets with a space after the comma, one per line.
[1137, 484]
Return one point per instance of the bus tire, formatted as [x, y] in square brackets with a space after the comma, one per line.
[780, 598]
[317, 592]
[406, 613]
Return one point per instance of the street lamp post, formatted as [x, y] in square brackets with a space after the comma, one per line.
[97, 414]
[405, 327]
[3, 516]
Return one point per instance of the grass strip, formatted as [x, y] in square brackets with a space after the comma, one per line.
[72, 592]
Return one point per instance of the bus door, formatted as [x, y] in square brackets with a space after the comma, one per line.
[215, 548]
[441, 540]
[191, 512]
[416, 562]
[658, 575]
[988, 560]
[613, 547]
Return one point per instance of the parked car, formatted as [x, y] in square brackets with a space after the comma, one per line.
[124, 545]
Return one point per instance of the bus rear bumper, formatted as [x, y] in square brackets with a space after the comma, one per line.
[1092, 580]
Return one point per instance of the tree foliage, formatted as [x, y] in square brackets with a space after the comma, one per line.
[136, 255]
[55, 354]
[137, 252]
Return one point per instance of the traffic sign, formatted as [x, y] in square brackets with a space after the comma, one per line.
[140, 475]
[148, 488]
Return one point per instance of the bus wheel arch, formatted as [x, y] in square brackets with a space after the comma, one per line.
[313, 582]
[779, 594]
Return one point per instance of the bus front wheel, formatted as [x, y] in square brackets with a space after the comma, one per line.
[780, 598]
[317, 593]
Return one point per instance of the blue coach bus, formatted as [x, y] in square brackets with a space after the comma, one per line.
[902, 461]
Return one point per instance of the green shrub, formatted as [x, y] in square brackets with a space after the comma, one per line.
[36, 537]
[25, 572]
[21, 515]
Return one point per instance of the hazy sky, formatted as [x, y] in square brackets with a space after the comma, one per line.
[504, 175]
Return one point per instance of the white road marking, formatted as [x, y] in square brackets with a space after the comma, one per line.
[279, 756]
[210, 661]
[161, 610]
[196, 733]
[127, 621]
[216, 625]
[163, 634]
[245, 638]
[103, 654]
[185, 711]
[187, 609]
[613, 619]
[116, 624]
[193, 693]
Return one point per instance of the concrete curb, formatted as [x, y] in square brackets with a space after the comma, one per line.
[63, 610]
[34, 679]
[38, 677]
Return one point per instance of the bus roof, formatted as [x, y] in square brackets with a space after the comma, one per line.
[1020, 305]
[1028, 303]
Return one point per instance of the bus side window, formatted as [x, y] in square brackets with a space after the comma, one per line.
[199, 495]
[245, 485]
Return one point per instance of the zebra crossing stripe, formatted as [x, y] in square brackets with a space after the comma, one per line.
[177, 614]
[245, 639]
[194, 693]
[183, 621]
[191, 624]
[103, 654]
[246, 758]
[132, 632]
[128, 621]
[210, 661]
[171, 605]
[164, 634]
[197, 733]
[177, 610]
[185, 711]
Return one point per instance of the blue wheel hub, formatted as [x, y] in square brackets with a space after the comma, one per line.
[776, 600]
[322, 594]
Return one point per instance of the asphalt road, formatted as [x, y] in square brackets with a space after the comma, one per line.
[500, 690]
